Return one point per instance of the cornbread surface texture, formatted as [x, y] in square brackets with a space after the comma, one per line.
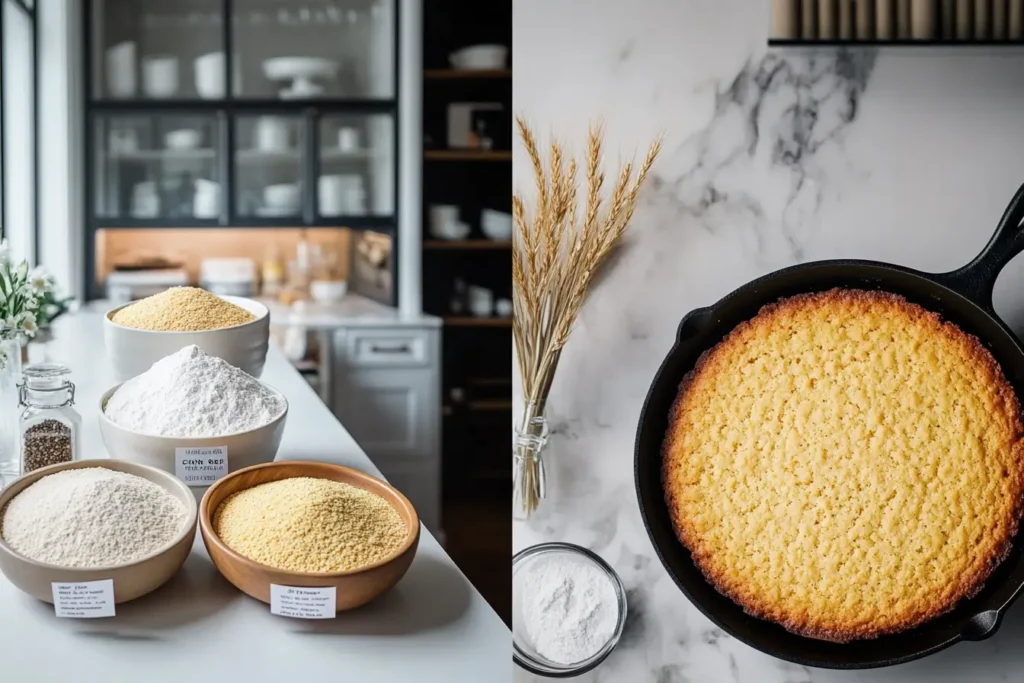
[845, 464]
[305, 524]
[182, 309]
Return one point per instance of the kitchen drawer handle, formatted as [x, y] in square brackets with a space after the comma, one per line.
[401, 348]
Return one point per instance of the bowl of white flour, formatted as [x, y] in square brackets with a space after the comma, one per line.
[95, 520]
[193, 415]
[568, 609]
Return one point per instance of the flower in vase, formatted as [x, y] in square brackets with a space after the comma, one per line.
[28, 323]
[40, 280]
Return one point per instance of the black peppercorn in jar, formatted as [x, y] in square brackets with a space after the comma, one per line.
[49, 426]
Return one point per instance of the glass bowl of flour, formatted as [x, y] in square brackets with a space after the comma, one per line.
[568, 609]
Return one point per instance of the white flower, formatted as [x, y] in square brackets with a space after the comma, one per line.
[5, 252]
[28, 326]
[39, 280]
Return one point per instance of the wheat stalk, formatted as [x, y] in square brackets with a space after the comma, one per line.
[559, 248]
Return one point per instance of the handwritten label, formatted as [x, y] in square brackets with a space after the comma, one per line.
[302, 603]
[84, 600]
[200, 466]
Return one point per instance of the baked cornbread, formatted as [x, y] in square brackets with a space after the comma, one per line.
[845, 464]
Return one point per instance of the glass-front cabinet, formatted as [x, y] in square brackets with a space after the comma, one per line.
[282, 115]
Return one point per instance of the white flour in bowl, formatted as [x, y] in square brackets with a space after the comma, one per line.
[190, 393]
[91, 517]
[569, 607]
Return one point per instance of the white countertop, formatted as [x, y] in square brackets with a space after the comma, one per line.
[433, 626]
[352, 311]
[771, 157]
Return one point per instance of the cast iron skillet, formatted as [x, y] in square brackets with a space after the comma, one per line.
[963, 297]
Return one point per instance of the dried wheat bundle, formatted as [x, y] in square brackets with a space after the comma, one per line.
[560, 245]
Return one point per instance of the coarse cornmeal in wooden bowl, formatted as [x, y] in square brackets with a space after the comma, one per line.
[224, 527]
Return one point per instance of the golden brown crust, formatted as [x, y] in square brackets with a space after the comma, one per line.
[774, 472]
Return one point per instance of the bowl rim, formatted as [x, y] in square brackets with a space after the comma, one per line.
[209, 535]
[264, 314]
[106, 395]
[169, 480]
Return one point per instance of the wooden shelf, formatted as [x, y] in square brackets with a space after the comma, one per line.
[467, 155]
[466, 244]
[468, 74]
[469, 321]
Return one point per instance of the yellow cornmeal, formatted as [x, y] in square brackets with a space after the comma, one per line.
[182, 309]
[309, 525]
[846, 464]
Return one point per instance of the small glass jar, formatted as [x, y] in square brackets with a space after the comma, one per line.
[49, 429]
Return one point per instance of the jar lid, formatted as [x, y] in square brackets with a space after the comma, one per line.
[43, 376]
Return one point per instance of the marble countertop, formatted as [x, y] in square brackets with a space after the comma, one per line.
[771, 158]
[432, 626]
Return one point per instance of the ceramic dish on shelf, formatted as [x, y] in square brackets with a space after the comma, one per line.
[283, 196]
[327, 291]
[301, 90]
[299, 68]
[182, 139]
[302, 72]
[244, 449]
[496, 225]
[274, 212]
[132, 580]
[480, 57]
[132, 351]
[355, 587]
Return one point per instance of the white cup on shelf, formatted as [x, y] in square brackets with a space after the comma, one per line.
[480, 301]
[210, 76]
[160, 76]
[272, 134]
[348, 139]
[120, 69]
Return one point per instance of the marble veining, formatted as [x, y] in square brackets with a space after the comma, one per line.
[772, 157]
[770, 125]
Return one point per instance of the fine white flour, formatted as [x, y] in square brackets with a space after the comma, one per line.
[91, 517]
[568, 607]
[192, 394]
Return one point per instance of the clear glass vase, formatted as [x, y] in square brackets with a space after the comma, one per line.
[529, 475]
[10, 375]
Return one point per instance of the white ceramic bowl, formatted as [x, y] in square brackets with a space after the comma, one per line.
[284, 196]
[496, 225]
[480, 57]
[132, 351]
[327, 291]
[244, 449]
[286, 68]
[184, 138]
[132, 580]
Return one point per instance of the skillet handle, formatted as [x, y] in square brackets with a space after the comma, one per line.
[977, 279]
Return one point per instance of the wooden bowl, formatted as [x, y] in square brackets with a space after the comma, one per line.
[132, 580]
[354, 587]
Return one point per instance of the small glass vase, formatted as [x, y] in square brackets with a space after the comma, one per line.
[529, 475]
[10, 375]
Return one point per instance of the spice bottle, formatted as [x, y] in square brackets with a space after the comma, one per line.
[50, 427]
